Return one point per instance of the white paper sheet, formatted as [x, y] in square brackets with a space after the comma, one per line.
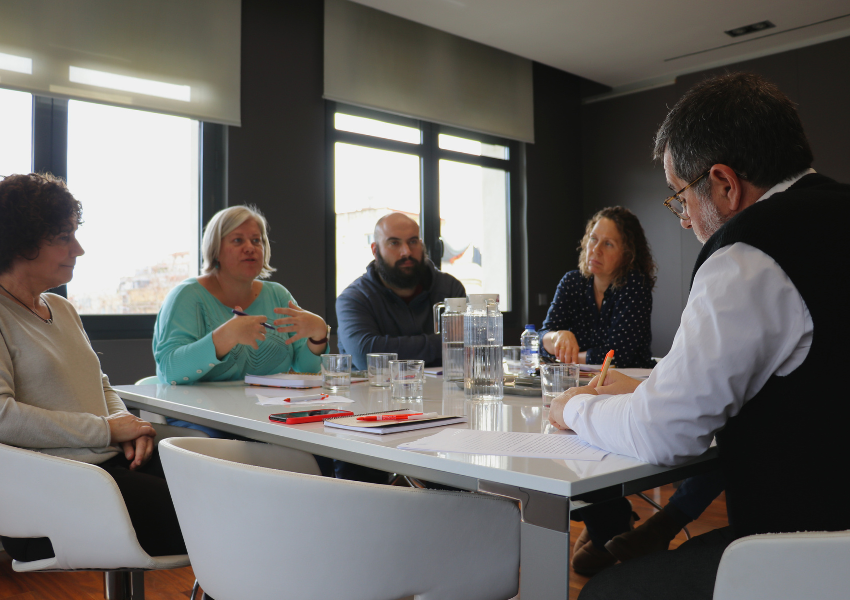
[530, 445]
[279, 401]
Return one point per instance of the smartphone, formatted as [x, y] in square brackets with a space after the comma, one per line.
[308, 416]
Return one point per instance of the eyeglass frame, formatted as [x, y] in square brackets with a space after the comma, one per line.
[683, 190]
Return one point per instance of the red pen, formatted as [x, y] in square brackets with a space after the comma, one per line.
[306, 397]
[404, 417]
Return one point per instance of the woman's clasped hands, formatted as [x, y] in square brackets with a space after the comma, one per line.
[134, 435]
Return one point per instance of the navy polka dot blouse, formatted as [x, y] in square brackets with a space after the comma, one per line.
[623, 323]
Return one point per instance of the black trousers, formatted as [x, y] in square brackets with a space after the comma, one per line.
[689, 572]
[148, 501]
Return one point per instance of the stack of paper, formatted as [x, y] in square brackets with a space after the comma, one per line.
[500, 443]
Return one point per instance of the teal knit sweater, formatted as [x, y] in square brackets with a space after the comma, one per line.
[183, 346]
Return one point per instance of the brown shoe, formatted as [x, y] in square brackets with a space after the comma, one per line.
[653, 536]
[587, 559]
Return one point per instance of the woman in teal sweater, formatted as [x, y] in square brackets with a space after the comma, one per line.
[197, 337]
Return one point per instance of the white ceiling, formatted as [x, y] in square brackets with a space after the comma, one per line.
[628, 44]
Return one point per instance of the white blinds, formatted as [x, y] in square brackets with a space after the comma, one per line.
[381, 61]
[179, 57]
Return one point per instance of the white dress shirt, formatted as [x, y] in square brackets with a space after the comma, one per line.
[744, 321]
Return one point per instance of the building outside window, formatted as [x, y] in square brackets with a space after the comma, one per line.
[136, 173]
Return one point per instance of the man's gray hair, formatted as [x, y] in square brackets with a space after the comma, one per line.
[225, 221]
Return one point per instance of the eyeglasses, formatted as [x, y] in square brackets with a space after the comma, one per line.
[678, 206]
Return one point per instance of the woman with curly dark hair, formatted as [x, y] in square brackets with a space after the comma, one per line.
[605, 304]
[53, 396]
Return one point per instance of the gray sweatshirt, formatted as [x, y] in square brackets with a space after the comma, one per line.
[372, 318]
[53, 396]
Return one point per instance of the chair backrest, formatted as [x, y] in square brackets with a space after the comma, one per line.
[255, 532]
[77, 505]
[785, 566]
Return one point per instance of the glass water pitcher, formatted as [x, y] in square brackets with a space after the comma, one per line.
[450, 323]
[483, 377]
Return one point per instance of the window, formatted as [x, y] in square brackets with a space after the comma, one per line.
[136, 173]
[474, 227]
[147, 182]
[16, 128]
[457, 185]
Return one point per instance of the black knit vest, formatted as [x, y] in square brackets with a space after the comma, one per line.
[786, 454]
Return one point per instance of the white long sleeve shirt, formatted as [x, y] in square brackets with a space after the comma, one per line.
[744, 321]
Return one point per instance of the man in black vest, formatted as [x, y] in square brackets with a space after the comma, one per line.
[762, 321]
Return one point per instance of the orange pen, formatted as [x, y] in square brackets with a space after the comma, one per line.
[605, 365]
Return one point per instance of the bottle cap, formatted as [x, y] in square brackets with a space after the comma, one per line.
[531, 327]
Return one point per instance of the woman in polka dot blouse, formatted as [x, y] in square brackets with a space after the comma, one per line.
[605, 304]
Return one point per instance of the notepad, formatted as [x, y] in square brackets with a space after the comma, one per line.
[291, 380]
[384, 427]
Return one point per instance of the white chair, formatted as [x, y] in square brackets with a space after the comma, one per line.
[259, 522]
[80, 508]
[785, 566]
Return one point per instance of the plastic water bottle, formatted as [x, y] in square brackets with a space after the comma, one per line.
[529, 357]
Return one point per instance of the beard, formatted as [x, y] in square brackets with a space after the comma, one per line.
[398, 277]
[710, 219]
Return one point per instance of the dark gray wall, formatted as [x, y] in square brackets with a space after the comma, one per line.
[553, 175]
[617, 166]
[276, 158]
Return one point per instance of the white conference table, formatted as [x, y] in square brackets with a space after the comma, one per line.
[546, 489]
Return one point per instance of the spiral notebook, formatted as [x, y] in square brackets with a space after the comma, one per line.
[384, 427]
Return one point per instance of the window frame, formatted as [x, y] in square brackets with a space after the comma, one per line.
[430, 154]
[50, 154]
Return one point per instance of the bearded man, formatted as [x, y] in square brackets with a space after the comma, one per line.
[389, 308]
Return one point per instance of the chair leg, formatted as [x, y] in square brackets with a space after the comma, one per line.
[194, 590]
[137, 585]
[115, 585]
[124, 585]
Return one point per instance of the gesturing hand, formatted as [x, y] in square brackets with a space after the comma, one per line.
[239, 330]
[300, 322]
[563, 345]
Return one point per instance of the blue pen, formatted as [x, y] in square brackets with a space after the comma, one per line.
[241, 314]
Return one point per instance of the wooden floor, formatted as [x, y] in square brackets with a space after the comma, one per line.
[177, 583]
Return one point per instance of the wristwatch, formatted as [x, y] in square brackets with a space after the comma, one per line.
[324, 340]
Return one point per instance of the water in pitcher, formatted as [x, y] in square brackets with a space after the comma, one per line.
[483, 377]
[453, 360]
[450, 323]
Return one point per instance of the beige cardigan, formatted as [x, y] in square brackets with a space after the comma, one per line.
[53, 396]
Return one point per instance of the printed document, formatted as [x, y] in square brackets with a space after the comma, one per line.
[499, 443]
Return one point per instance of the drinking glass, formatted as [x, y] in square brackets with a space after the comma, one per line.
[378, 366]
[408, 378]
[336, 371]
[511, 357]
[556, 379]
